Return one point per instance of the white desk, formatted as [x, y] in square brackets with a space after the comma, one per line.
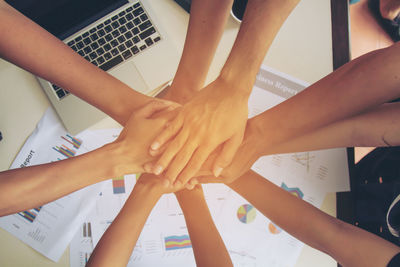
[303, 49]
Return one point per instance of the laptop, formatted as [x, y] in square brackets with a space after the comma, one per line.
[122, 37]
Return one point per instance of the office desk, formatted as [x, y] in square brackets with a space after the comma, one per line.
[303, 49]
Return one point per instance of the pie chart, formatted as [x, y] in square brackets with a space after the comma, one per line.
[273, 229]
[246, 213]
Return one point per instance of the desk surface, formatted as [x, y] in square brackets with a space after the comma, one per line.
[303, 49]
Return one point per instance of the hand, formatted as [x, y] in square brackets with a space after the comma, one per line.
[158, 183]
[248, 152]
[131, 146]
[186, 193]
[216, 115]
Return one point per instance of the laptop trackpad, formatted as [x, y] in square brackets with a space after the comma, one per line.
[128, 74]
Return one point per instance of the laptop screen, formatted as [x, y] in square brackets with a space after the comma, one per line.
[63, 18]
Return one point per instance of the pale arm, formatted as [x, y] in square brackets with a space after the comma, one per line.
[347, 244]
[217, 114]
[208, 247]
[29, 46]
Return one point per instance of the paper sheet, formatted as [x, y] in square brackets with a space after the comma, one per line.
[323, 170]
[50, 228]
[253, 240]
[164, 228]
[164, 240]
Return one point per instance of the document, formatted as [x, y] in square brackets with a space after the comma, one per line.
[323, 170]
[50, 228]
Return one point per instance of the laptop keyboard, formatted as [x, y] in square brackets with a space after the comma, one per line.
[115, 40]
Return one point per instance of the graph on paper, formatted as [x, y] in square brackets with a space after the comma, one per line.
[30, 215]
[118, 185]
[304, 159]
[274, 229]
[65, 149]
[175, 242]
[246, 213]
[293, 190]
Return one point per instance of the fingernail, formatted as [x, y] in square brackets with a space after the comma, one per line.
[152, 152]
[189, 186]
[155, 145]
[217, 171]
[165, 182]
[158, 169]
[147, 168]
[194, 181]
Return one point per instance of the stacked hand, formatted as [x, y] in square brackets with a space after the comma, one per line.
[216, 116]
[142, 127]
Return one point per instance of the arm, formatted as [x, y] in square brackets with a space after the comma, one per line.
[221, 107]
[379, 126]
[349, 245]
[46, 56]
[337, 111]
[208, 247]
[361, 84]
[25, 188]
[206, 25]
[116, 245]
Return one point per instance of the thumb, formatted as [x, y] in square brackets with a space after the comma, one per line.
[228, 152]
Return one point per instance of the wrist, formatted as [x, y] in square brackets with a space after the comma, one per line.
[99, 164]
[185, 194]
[183, 88]
[257, 137]
[119, 160]
[241, 85]
[151, 188]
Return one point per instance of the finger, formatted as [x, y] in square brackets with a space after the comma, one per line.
[148, 167]
[168, 133]
[159, 151]
[193, 182]
[180, 161]
[189, 186]
[209, 179]
[168, 114]
[150, 108]
[171, 104]
[172, 149]
[194, 164]
[227, 154]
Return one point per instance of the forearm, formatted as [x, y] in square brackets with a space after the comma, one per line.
[206, 25]
[46, 56]
[116, 245]
[360, 85]
[208, 247]
[28, 187]
[348, 244]
[261, 22]
[377, 127]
